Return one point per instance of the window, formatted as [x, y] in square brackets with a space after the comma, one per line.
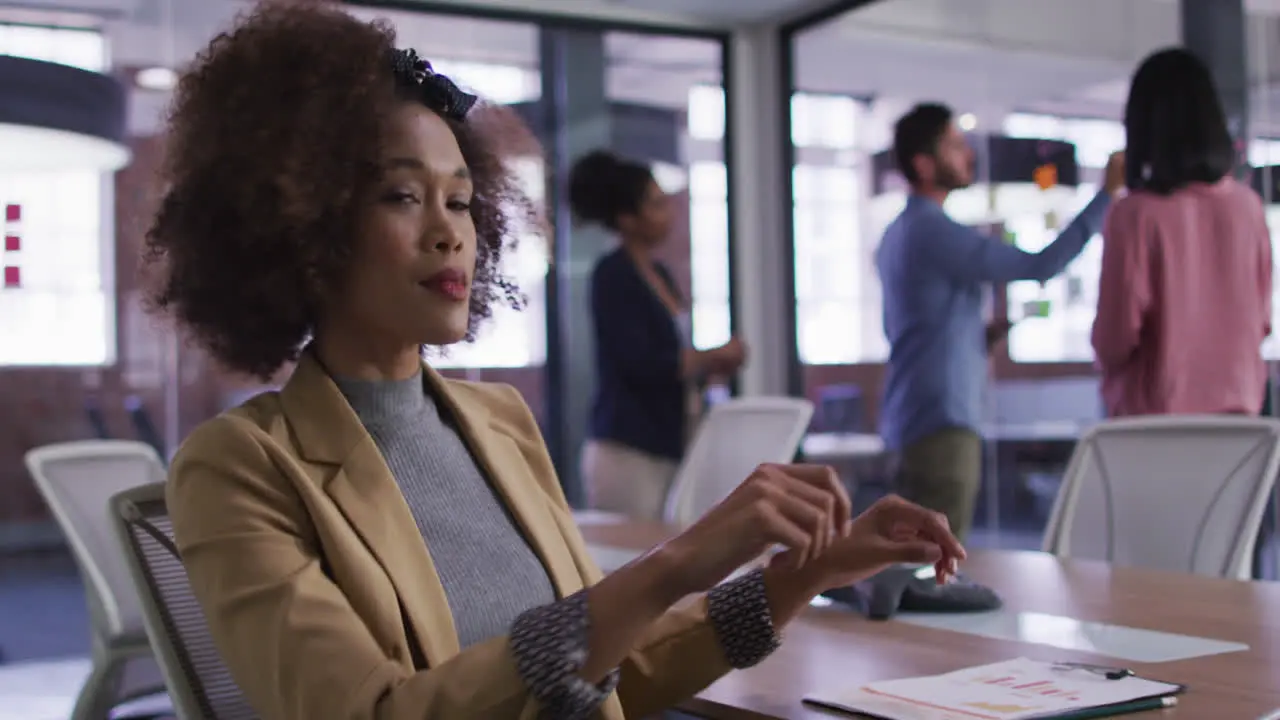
[84, 49]
[57, 297]
[831, 262]
[1071, 298]
[506, 84]
[824, 121]
[708, 253]
[706, 113]
[828, 270]
[1264, 152]
[708, 217]
[1095, 139]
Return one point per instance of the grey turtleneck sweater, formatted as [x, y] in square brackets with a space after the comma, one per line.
[495, 583]
[470, 534]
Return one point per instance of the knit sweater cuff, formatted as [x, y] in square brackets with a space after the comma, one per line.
[739, 613]
[550, 645]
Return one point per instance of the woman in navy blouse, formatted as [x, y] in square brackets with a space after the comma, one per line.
[647, 367]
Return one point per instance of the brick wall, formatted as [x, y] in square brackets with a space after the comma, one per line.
[46, 405]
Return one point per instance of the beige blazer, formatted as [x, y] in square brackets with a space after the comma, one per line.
[319, 590]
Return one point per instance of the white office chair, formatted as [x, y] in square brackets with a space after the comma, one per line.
[77, 481]
[734, 438]
[1183, 493]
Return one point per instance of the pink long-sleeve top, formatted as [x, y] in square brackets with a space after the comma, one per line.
[1184, 302]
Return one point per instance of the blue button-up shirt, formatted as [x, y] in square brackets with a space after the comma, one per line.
[932, 270]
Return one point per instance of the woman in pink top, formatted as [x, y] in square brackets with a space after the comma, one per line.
[1184, 299]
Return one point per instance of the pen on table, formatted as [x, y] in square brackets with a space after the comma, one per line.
[1106, 711]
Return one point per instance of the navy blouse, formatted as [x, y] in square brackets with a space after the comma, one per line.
[640, 396]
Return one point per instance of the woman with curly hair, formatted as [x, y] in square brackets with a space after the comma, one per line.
[374, 541]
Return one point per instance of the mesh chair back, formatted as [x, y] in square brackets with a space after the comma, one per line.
[1183, 493]
[199, 682]
[77, 481]
[735, 438]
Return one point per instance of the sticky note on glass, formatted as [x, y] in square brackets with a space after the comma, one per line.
[1035, 308]
[1045, 176]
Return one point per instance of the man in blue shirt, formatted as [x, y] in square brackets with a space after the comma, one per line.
[932, 270]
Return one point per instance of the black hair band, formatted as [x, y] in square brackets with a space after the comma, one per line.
[436, 91]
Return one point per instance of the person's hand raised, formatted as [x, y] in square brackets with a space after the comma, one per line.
[732, 355]
[891, 531]
[804, 508]
[997, 331]
[1114, 176]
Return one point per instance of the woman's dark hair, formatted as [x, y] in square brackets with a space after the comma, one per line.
[1176, 130]
[918, 133]
[274, 139]
[603, 186]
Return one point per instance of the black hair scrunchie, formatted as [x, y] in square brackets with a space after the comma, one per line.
[436, 91]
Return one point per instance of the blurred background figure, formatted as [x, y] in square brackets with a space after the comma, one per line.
[1184, 296]
[934, 271]
[648, 372]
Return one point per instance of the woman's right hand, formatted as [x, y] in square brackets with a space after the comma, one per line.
[801, 507]
[1113, 177]
[731, 356]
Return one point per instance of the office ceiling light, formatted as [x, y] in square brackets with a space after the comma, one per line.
[160, 79]
[56, 117]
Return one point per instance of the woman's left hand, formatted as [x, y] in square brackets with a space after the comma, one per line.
[891, 531]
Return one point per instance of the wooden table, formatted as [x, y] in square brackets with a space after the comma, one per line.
[832, 648]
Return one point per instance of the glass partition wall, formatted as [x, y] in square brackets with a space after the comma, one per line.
[1041, 104]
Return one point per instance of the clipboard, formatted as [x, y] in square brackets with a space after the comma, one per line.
[1020, 689]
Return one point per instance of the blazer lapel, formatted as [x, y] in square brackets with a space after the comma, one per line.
[508, 470]
[329, 433]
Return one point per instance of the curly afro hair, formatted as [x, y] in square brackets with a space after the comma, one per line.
[274, 136]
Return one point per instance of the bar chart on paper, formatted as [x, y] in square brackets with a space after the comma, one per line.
[1030, 691]
[1019, 689]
